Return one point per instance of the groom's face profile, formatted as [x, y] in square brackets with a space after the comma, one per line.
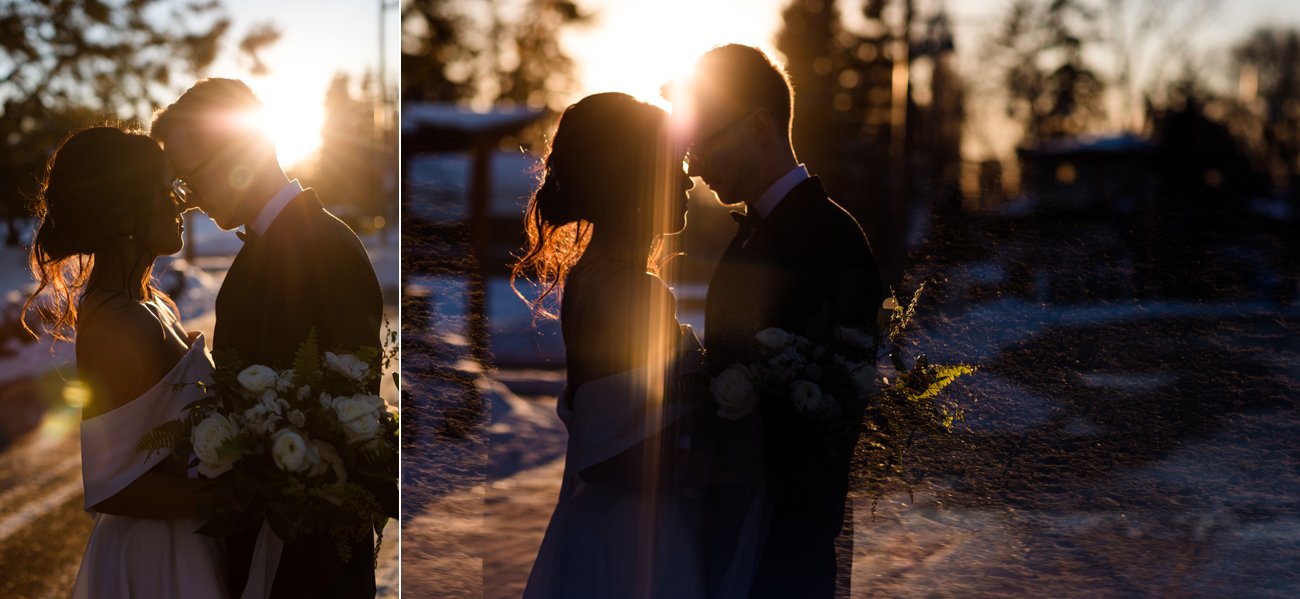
[721, 147]
[198, 169]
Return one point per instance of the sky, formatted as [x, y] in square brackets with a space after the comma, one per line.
[318, 39]
[635, 45]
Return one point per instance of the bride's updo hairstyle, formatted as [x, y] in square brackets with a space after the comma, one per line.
[100, 185]
[606, 164]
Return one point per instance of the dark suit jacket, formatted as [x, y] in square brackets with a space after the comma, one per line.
[309, 271]
[807, 268]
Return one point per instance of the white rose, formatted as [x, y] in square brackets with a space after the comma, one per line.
[256, 378]
[774, 338]
[290, 451]
[854, 337]
[808, 398]
[374, 401]
[347, 365]
[328, 458]
[863, 377]
[784, 365]
[213, 470]
[359, 418]
[207, 438]
[734, 391]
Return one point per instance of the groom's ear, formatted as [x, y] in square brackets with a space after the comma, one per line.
[765, 127]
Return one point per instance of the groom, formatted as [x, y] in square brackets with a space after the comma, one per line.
[799, 262]
[300, 270]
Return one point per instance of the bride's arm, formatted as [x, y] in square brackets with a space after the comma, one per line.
[121, 354]
[640, 328]
[156, 496]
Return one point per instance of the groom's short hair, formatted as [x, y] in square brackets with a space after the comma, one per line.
[213, 105]
[746, 75]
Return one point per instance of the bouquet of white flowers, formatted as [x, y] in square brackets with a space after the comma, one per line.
[839, 399]
[305, 448]
[827, 386]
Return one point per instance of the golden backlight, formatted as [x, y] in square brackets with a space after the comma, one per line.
[640, 46]
[293, 117]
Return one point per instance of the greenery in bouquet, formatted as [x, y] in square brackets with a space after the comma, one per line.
[825, 386]
[842, 397]
[912, 402]
[305, 448]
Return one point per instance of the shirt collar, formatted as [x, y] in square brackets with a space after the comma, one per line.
[275, 206]
[767, 202]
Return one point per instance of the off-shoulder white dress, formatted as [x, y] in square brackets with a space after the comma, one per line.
[605, 542]
[137, 557]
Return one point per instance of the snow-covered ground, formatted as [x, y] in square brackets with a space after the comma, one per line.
[1112, 448]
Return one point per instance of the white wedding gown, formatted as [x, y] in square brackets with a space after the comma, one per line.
[137, 557]
[604, 541]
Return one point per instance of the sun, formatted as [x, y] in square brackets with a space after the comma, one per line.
[638, 46]
[293, 121]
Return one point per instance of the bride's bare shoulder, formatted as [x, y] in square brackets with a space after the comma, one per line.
[120, 355]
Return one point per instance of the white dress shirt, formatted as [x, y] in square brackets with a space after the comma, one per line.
[275, 206]
[767, 202]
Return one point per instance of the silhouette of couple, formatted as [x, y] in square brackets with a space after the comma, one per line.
[110, 204]
[669, 491]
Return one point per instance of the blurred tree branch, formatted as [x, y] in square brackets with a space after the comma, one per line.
[486, 52]
[78, 61]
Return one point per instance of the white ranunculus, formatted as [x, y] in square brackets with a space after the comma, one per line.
[347, 365]
[289, 450]
[808, 398]
[733, 389]
[359, 418]
[774, 338]
[297, 418]
[207, 437]
[328, 459]
[257, 378]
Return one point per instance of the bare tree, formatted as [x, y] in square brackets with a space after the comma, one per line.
[1149, 41]
[1050, 88]
[67, 63]
[1268, 68]
[488, 51]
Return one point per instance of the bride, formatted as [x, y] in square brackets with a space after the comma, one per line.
[626, 521]
[105, 214]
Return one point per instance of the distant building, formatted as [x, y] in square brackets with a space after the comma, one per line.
[1112, 174]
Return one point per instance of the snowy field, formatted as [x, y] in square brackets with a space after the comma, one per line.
[1118, 443]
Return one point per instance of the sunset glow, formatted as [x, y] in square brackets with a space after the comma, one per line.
[640, 46]
[293, 118]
